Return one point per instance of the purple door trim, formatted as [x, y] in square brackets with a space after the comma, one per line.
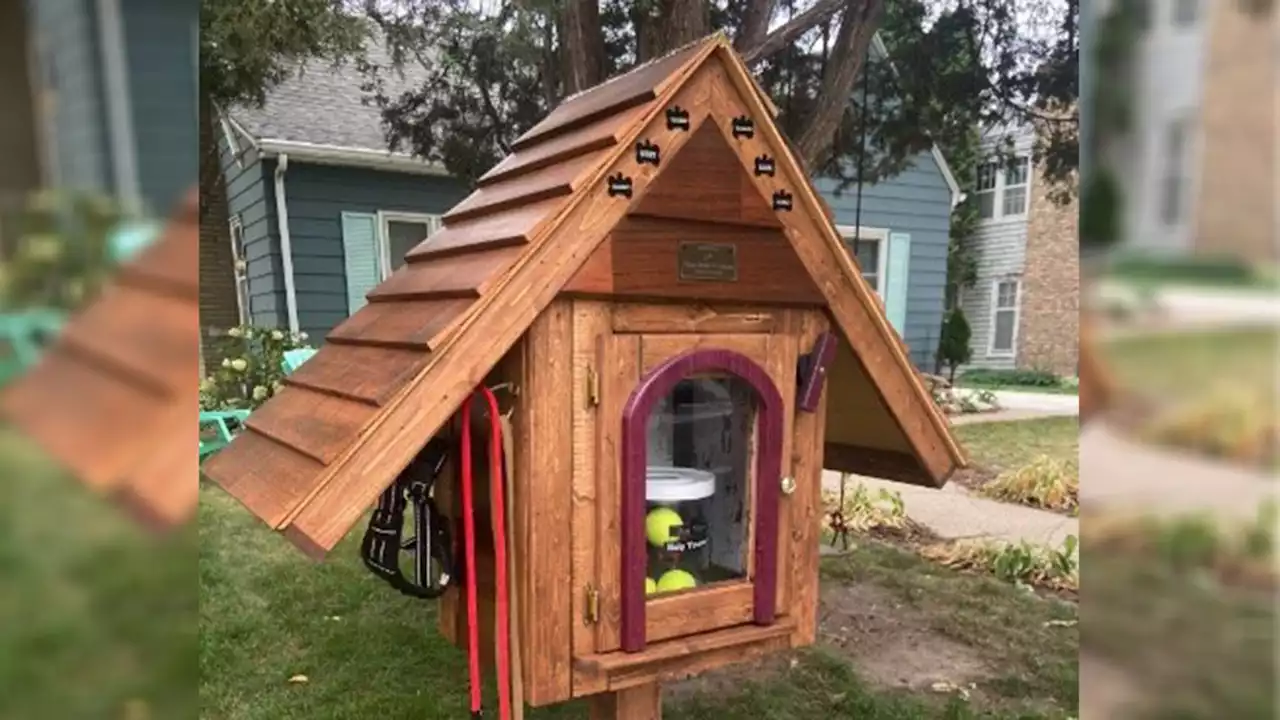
[769, 423]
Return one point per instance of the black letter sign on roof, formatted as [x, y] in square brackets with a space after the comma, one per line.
[620, 185]
[782, 200]
[743, 127]
[677, 118]
[646, 152]
[764, 166]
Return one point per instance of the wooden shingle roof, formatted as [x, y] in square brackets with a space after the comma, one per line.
[113, 399]
[317, 455]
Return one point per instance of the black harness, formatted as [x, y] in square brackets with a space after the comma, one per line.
[431, 544]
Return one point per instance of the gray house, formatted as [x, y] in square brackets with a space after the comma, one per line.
[319, 212]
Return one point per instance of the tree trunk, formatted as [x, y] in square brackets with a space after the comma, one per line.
[583, 46]
[857, 27]
[680, 22]
[754, 24]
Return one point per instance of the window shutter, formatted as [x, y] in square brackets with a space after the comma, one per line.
[360, 251]
[896, 280]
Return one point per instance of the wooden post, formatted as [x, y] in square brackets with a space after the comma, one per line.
[643, 702]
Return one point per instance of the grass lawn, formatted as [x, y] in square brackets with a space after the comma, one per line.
[267, 614]
[1197, 643]
[1226, 274]
[97, 620]
[1210, 391]
[999, 446]
[1185, 365]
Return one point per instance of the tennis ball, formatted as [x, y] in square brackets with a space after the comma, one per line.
[677, 579]
[659, 523]
[650, 587]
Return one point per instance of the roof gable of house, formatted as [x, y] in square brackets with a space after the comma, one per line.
[317, 455]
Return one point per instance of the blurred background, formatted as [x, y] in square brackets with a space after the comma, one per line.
[1179, 215]
[98, 139]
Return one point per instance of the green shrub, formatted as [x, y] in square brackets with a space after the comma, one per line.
[1044, 482]
[252, 370]
[953, 346]
[1023, 378]
[1021, 563]
[59, 252]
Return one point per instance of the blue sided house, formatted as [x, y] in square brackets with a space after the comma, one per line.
[318, 212]
[104, 94]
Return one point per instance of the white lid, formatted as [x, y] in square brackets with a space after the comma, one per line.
[678, 484]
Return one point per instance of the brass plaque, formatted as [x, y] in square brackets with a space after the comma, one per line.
[708, 262]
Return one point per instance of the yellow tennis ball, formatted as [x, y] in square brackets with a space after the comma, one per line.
[676, 579]
[650, 587]
[659, 523]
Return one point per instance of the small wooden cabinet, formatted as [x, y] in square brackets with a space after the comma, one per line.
[654, 390]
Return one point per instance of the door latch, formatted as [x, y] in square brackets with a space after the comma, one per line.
[593, 387]
[593, 606]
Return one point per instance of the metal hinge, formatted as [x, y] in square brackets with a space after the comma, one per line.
[593, 387]
[593, 606]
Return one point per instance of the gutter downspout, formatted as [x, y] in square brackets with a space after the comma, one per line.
[286, 246]
[116, 78]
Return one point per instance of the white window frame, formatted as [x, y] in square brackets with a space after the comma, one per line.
[238, 256]
[1173, 179]
[1025, 186]
[993, 191]
[385, 218]
[880, 236]
[998, 192]
[995, 309]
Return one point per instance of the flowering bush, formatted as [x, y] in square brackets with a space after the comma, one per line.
[252, 368]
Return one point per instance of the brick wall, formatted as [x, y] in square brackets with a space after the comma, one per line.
[1049, 320]
[1238, 187]
[217, 280]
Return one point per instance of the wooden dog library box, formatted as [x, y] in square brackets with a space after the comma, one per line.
[686, 343]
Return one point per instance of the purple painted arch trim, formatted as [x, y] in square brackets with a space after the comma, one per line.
[770, 421]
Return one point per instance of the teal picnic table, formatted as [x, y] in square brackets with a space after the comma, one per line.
[24, 334]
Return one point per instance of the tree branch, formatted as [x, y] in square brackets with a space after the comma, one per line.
[782, 37]
[861, 20]
[583, 45]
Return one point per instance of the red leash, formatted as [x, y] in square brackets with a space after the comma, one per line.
[497, 488]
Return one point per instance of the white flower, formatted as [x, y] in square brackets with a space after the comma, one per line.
[235, 332]
[277, 386]
[260, 393]
[206, 385]
[239, 364]
[226, 362]
[302, 336]
[277, 335]
[248, 333]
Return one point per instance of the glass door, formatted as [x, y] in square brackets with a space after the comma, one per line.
[701, 463]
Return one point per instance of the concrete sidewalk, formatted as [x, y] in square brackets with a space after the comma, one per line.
[953, 513]
[1118, 473]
